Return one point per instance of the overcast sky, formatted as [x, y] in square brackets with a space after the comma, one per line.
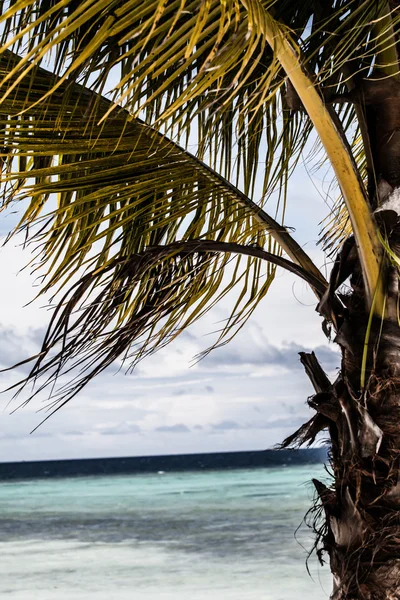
[247, 395]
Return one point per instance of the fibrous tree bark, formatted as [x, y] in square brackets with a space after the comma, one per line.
[361, 408]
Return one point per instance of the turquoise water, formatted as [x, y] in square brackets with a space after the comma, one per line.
[225, 535]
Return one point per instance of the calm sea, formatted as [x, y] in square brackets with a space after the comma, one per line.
[214, 535]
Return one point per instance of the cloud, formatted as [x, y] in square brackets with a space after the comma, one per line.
[187, 391]
[269, 355]
[25, 435]
[246, 395]
[291, 421]
[15, 347]
[180, 392]
[226, 425]
[123, 428]
[178, 428]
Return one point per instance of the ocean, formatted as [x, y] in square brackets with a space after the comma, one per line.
[201, 535]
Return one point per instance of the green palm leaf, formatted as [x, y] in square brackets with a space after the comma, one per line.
[99, 197]
[205, 73]
[204, 68]
[143, 303]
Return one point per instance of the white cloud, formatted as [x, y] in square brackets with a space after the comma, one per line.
[170, 405]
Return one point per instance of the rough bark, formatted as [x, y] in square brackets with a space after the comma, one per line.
[361, 409]
[361, 533]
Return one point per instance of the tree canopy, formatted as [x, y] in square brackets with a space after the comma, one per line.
[101, 102]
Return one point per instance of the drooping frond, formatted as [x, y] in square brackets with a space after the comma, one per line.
[337, 150]
[199, 68]
[336, 227]
[91, 165]
[185, 57]
[207, 71]
[135, 305]
[98, 198]
[242, 82]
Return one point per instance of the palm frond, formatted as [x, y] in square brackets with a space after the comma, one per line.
[98, 198]
[205, 70]
[378, 58]
[196, 67]
[92, 166]
[336, 147]
[210, 74]
[134, 306]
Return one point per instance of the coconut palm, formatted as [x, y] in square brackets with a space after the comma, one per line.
[137, 237]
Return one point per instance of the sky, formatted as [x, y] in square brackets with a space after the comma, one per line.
[247, 395]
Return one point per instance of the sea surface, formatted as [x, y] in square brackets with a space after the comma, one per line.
[213, 535]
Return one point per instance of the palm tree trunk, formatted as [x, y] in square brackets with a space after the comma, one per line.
[361, 410]
[362, 534]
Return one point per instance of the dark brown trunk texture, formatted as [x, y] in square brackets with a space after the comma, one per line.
[361, 410]
[361, 528]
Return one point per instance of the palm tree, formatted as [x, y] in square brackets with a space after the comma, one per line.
[135, 234]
